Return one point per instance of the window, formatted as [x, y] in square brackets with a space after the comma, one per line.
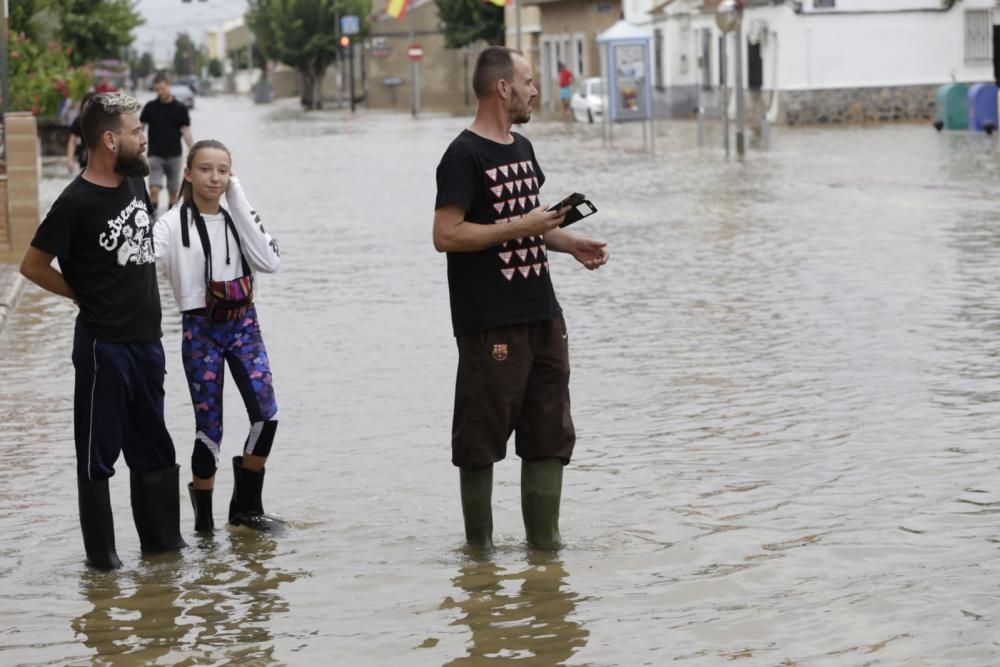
[978, 36]
[579, 57]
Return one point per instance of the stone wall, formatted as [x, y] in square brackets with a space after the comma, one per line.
[857, 105]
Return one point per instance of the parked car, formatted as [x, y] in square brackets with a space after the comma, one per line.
[183, 94]
[587, 103]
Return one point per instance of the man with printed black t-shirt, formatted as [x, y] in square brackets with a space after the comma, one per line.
[168, 122]
[100, 231]
[513, 366]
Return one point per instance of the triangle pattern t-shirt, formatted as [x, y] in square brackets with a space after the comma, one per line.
[495, 184]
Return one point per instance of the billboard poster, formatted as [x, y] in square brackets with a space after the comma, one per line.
[630, 96]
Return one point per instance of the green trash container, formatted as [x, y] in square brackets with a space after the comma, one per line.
[952, 107]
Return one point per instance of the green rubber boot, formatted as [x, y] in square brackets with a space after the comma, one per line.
[477, 509]
[541, 489]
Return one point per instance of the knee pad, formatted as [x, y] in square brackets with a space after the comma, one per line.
[204, 458]
[260, 438]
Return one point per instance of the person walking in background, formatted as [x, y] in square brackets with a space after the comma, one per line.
[76, 147]
[168, 121]
[513, 354]
[99, 229]
[211, 253]
[565, 80]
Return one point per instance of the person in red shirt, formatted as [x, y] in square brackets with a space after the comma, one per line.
[104, 86]
[565, 89]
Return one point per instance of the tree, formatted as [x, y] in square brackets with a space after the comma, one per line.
[142, 66]
[215, 69]
[468, 21]
[188, 58]
[303, 34]
[94, 29]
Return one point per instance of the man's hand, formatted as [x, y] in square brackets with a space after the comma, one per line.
[36, 266]
[539, 222]
[453, 234]
[591, 253]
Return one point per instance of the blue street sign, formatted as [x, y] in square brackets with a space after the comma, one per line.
[350, 25]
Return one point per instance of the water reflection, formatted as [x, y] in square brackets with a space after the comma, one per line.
[521, 617]
[221, 606]
[133, 614]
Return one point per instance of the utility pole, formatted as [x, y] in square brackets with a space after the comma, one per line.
[517, 20]
[740, 116]
[4, 65]
[414, 71]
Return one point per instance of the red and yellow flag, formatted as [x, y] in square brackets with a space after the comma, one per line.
[397, 8]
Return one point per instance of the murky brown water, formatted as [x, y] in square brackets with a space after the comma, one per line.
[786, 388]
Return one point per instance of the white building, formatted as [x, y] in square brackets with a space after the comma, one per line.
[821, 60]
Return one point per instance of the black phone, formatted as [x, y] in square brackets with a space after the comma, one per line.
[580, 208]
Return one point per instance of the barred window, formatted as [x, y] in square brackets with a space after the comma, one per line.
[978, 36]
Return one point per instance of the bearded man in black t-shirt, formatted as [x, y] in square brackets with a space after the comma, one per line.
[101, 232]
[513, 355]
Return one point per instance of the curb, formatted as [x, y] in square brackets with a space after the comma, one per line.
[8, 300]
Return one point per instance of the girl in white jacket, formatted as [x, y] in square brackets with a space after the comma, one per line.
[204, 243]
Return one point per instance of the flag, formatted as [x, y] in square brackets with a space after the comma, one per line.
[498, 3]
[397, 8]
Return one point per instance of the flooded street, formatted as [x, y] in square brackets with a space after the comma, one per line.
[786, 388]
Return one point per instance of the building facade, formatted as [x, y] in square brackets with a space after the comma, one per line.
[818, 61]
[445, 75]
[566, 32]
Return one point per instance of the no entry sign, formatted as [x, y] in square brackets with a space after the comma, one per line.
[415, 52]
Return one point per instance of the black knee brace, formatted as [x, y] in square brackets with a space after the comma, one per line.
[204, 461]
[260, 438]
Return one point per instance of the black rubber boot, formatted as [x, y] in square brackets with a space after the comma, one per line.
[156, 508]
[477, 508]
[98, 524]
[246, 507]
[201, 501]
[541, 490]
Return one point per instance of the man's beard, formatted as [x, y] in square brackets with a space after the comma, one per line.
[520, 111]
[132, 165]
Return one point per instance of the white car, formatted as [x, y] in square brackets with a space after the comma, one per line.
[587, 102]
[183, 93]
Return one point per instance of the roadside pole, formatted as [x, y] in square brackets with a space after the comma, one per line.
[740, 114]
[517, 20]
[414, 72]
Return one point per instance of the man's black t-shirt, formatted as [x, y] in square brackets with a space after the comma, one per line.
[495, 184]
[103, 238]
[165, 121]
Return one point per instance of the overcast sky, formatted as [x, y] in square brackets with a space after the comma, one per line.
[166, 18]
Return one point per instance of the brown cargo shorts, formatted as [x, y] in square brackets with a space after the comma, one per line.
[513, 379]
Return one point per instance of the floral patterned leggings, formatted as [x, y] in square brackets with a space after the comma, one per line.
[205, 347]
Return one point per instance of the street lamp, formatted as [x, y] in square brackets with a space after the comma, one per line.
[729, 18]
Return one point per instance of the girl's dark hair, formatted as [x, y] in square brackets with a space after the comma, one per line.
[186, 193]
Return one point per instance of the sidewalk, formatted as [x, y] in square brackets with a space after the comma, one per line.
[11, 284]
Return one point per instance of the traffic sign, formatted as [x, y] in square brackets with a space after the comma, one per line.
[350, 25]
[415, 52]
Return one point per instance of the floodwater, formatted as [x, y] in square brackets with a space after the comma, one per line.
[786, 388]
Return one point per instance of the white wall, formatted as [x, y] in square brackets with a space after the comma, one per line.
[808, 51]
[873, 5]
[844, 51]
